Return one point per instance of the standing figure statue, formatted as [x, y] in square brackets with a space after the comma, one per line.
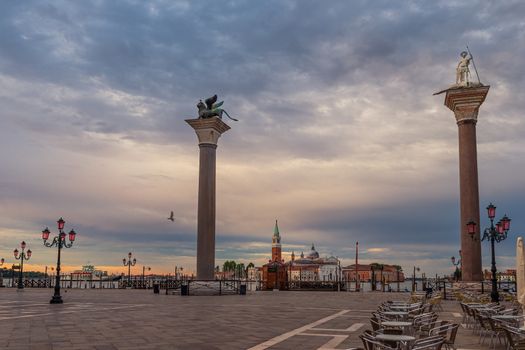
[463, 71]
[209, 108]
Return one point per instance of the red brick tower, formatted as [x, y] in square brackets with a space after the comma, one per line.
[276, 244]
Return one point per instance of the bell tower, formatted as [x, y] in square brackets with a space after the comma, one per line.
[276, 244]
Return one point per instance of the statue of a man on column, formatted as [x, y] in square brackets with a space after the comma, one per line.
[462, 70]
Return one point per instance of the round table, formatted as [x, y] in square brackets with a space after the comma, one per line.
[514, 320]
[404, 340]
[399, 307]
[408, 326]
[508, 317]
[396, 314]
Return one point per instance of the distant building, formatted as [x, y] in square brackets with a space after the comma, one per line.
[274, 273]
[311, 268]
[314, 268]
[389, 273]
[87, 273]
[508, 275]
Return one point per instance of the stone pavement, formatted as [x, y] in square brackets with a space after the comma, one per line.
[138, 319]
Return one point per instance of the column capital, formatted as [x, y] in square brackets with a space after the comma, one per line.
[208, 130]
[465, 102]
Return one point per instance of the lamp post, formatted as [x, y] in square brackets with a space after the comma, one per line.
[414, 278]
[2, 260]
[51, 277]
[143, 272]
[381, 267]
[373, 278]
[22, 256]
[457, 273]
[60, 242]
[398, 269]
[129, 263]
[495, 233]
[339, 279]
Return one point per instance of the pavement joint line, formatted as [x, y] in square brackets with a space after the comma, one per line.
[11, 306]
[332, 343]
[282, 337]
[68, 312]
[352, 328]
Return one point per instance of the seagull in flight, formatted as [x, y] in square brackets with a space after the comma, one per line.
[171, 217]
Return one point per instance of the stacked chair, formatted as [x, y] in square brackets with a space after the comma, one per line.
[427, 331]
[494, 321]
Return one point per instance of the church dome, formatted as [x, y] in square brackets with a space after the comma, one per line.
[313, 253]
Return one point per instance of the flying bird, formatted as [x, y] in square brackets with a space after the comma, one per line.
[171, 217]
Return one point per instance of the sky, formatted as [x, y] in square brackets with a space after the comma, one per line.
[339, 136]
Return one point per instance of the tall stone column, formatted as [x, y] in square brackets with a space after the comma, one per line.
[465, 103]
[208, 132]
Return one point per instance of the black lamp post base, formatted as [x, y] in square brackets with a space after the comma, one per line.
[494, 297]
[57, 299]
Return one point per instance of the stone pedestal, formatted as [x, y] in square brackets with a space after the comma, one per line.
[208, 132]
[465, 103]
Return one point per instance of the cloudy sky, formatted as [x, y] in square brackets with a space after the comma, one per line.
[339, 135]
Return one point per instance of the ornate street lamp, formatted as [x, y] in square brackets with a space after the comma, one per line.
[22, 256]
[471, 229]
[129, 263]
[495, 233]
[143, 273]
[457, 273]
[60, 242]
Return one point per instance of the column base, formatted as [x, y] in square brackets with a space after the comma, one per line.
[57, 299]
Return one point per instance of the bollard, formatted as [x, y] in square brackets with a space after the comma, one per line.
[184, 289]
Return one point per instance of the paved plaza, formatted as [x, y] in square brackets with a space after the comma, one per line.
[139, 319]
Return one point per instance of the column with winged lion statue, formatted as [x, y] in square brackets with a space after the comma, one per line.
[209, 126]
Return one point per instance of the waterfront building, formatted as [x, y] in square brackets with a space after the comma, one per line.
[310, 268]
[314, 268]
[365, 272]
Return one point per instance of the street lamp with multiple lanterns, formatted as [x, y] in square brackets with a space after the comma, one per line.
[129, 263]
[494, 233]
[23, 255]
[60, 242]
[457, 273]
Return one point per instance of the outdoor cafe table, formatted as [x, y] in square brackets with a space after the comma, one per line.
[405, 326]
[508, 317]
[399, 307]
[514, 319]
[403, 340]
[399, 315]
